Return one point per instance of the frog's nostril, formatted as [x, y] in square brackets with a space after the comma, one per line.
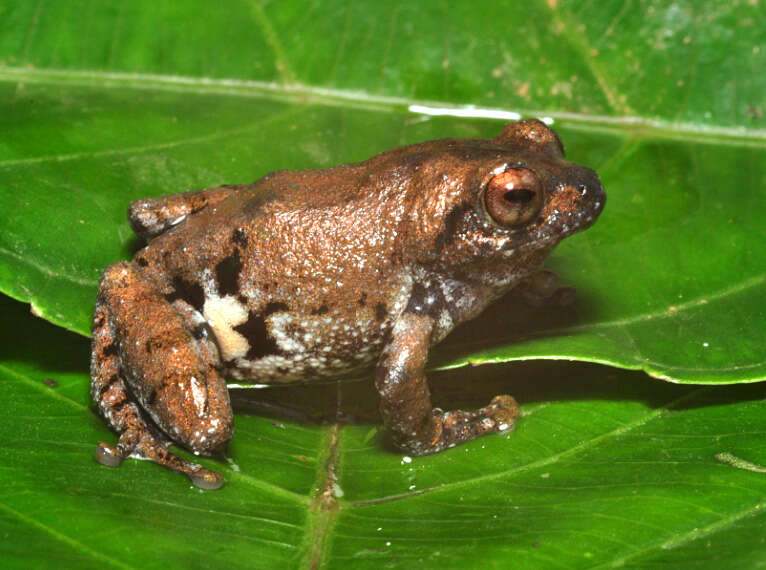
[589, 186]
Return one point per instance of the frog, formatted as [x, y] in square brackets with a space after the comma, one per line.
[322, 275]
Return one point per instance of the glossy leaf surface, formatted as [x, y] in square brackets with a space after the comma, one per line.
[669, 280]
[695, 65]
[605, 467]
[102, 103]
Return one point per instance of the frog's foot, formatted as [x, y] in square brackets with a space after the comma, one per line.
[543, 289]
[455, 427]
[138, 439]
[143, 444]
[459, 426]
[405, 401]
[161, 385]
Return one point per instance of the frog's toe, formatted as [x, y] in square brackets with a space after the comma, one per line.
[206, 479]
[112, 455]
[108, 455]
[157, 451]
[544, 283]
[449, 429]
[503, 411]
[498, 416]
[565, 296]
[543, 289]
[143, 444]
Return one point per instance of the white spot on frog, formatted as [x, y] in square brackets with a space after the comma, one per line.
[223, 314]
[284, 338]
[198, 393]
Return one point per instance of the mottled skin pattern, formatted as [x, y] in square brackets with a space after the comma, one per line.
[319, 274]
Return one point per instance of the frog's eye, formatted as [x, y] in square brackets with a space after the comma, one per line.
[513, 197]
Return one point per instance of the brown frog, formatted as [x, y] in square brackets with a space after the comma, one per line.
[310, 275]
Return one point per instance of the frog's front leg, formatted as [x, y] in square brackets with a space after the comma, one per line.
[150, 360]
[405, 401]
[543, 288]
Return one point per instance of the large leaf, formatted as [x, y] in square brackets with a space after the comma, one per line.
[606, 467]
[689, 65]
[104, 102]
[670, 279]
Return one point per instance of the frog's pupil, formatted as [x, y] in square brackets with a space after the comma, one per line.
[519, 195]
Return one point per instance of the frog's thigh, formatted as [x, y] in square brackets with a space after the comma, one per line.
[142, 342]
[405, 401]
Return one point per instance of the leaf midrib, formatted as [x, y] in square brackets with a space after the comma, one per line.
[312, 94]
[328, 529]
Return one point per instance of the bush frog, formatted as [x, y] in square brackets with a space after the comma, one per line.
[312, 275]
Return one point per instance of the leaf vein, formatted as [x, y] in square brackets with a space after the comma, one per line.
[272, 39]
[146, 148]
[580, 44]
[47, 271]
[696, 533]
[582, 446]
[68, 540]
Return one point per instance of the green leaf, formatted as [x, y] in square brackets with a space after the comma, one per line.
[650, 296]
[102, 103]
[605, 467]
[670, 279]
[690, 65]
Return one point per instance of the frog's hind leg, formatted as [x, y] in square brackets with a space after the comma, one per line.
[165, 377]
[149, 217]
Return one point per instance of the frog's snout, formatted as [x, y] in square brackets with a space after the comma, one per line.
[592, 193]
[576, 203]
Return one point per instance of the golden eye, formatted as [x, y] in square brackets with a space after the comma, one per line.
[513, 197]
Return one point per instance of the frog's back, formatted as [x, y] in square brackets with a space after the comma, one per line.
[280, 269]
